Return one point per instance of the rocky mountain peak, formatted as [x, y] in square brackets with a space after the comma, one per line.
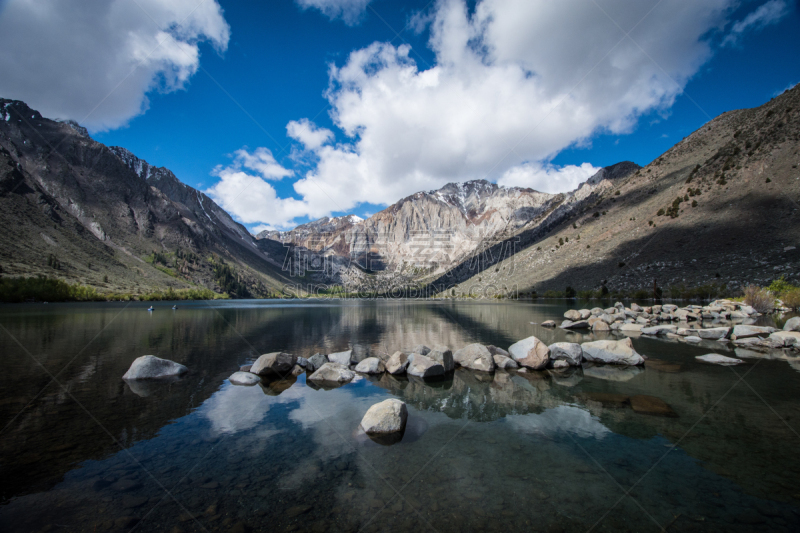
[619, 170]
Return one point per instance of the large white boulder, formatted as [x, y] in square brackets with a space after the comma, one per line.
[333, 372]
[342, 358]
[371, 365]
[244, 378]
[530, 353]
[571, 352]
[793, 324]
[573, 315]
[274, 364]
[476, 357]
[619, 352]
[152, 367]
[388, 416]
[785, 338]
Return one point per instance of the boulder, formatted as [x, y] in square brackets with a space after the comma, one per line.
[297, 370]
[245, 368]
[494, 350]
[341, 358]
[548, 324]
[475, 356]
[635, 308]
[302, 361]
[152, 367]
[388, 416]
[333, 372]
[619, 352]
[531, 353]
[650, 405]
[442, 355]
[585, 313]
[793, 324]
[423, 366]
[580, 324]
[421, 349]
[572, 315]
[571, 352]
[244, 378]
[504, 362]
[560, 365]
[631, 328]
[694, 339]
[718, 359]
[748, 310]
[659, 330]
[274, 364]
[785, 338]
[397, 363]
[600, 325]
[596, 311]
[315, 362]
[371, 365]
[669, 308]
[609, 311]
[714, 333]
[743, 332]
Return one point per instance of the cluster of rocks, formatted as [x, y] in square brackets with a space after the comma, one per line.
[693, 323]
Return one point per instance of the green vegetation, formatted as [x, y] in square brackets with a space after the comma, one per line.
[43, 289]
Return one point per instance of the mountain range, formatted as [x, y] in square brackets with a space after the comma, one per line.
[721, 206]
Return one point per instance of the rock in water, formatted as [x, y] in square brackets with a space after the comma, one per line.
[718, 359]
[785, 338]
[600, 325]
[343, 358]
[580, 324]
[530, 353]
[334, 373]
[370, 365]
[650, 405]
[571, 352]
[274, 364]
[315, 362]
[475, 356]
[744, 332]
[548, 324]
[504, 362]
[793, 324]
[397, 363]
[244, 378]
[442, 355]
[619, 352]
[714, 333]
[573, 315]
[421, 349]
[152, 367]
[423, 366]
[388, 416]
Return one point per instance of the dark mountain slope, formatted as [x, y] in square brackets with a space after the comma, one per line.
[75, 209]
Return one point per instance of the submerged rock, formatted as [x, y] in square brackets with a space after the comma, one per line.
[530, 353]
[152, 367]
[388, 416]
[717, 359]
[244, 378]
[370, 365]
[650, 405]
[274, 364]
[397, 363]
[475, 356]
[619, 352]
[333, 372]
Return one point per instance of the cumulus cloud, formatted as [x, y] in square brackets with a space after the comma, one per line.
[498, 102]
[350, 11]
[768, 13]
[308, 133]
[95, 61]
[547, 178]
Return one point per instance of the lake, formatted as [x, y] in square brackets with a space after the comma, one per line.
[80, 450]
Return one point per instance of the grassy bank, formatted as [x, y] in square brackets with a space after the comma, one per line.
[42, 289]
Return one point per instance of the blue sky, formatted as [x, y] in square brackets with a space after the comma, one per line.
[517, 92]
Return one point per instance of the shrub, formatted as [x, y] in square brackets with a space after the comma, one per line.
[570, 292]
[759, 299]
[792, 299]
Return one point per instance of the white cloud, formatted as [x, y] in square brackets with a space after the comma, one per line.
[95, 62]
[260, 161]
[308, 133]
[768, 13]
[498, 103]
[350, 11]
[548, 178]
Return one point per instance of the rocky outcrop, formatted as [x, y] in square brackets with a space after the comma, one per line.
[152, 367]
